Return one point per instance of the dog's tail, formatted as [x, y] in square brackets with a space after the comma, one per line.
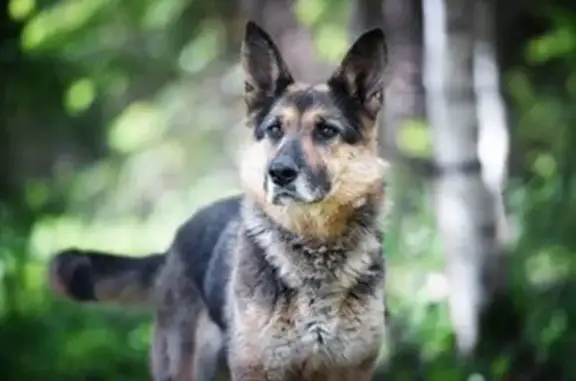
[91, 276]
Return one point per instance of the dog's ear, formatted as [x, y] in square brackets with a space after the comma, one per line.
[361, 73]
[266, 73]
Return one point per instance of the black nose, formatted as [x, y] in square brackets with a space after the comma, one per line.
[283, 171]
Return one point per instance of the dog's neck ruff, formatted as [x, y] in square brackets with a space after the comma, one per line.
[302, 261]
[362, 220]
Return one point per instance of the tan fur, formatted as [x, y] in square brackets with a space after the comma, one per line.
[289, 116]
[308, 120]
[357, 173]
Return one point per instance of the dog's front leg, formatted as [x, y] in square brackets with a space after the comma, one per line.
[249, 372]
[362, 372]
[360, 376]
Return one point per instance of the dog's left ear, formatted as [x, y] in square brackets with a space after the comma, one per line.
[361, 73]
[266, 73]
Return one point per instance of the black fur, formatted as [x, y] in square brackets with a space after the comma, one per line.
[197, 238]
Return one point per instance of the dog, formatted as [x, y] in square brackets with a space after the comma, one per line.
[285, 281]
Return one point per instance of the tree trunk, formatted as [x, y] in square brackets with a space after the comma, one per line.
[10, 42]
[465, 207]
[404, 97]
[293, 39]
[494, 136]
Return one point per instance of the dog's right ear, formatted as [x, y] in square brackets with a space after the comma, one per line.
[266, 73]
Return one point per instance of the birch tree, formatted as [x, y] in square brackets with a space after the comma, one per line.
[493, 137]
[465, 207]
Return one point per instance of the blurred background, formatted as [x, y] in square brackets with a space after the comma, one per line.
[118, 119]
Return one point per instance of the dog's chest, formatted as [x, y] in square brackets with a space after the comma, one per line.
[319, 329]
[325, 322]
[313, 309]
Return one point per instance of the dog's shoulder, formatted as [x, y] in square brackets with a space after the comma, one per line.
[193, 246]
[197, 237]
[207, 223]
[218, 271]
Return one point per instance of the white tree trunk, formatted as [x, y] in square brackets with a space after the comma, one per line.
[464, 206]
[494, 138]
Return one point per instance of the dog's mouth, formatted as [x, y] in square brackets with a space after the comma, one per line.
[300, 192]
[285, 197]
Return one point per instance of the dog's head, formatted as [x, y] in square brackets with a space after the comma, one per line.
[313, 144]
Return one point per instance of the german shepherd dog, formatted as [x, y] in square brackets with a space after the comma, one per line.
[286, 281]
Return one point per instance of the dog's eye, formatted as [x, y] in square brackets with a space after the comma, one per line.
[325, 131]
[274, 131]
